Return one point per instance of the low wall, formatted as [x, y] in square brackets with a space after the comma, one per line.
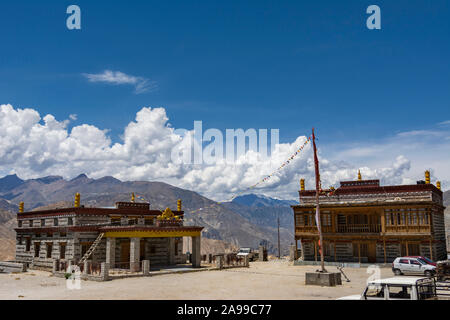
[10, 266]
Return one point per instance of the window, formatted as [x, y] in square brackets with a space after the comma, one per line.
[404, 261]
[37, 249]
[55, 221]
[115, 221]
[42, 222]
[415, 262]
[374, 291]
[28, 244]
[63, 234]
[49, 250]
[19, 223]
[399, 292]
[62, 250]
[70, 221]
[152, 249]
[30, 223]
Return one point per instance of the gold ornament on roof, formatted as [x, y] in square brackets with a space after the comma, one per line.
[168, 215]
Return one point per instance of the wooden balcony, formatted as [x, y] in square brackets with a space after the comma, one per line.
[408, 229]
[359, 228]
[351, 228]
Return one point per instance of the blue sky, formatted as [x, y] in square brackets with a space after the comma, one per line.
[235, 64]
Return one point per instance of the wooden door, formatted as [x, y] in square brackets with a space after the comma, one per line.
[372, 252]
[125, 251]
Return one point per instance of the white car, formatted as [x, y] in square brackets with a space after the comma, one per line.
[408, 265]
[246, 252]
[398, 288]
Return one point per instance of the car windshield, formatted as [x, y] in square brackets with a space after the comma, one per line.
[427, 260]
[422, 260]
[245, 250]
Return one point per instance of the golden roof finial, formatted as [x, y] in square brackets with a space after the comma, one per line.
[427, 177]
[438, 185]
[179, 205]
[132, 197]
[302, 184]
[77, 200]
[359, 175]
[21, 207]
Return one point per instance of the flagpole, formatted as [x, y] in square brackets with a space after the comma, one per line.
[318, 220]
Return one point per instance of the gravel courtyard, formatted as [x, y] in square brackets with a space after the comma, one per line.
[276, 279]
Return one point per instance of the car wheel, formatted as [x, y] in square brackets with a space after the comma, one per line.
[397, 272]
[428, 274]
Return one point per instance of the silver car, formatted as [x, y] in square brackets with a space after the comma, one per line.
[407, 265]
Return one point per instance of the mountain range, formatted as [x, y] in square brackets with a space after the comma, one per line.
[246, 221]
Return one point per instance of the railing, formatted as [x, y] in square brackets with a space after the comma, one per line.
[125, 268]
[359, 228]
[313, 229]
[169, 223]
[409, 229]
[94, 268]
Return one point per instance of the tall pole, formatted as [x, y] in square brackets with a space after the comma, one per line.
[279, 252]
[318, 220]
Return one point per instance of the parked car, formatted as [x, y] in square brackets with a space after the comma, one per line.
[252, 256]
[406, 265]
[423, 259]
[398, 288]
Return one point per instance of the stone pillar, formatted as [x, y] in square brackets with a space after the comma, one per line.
[86, 266]
[146, 267]
[261, 253]
[55, 265]
[292, 253]
[246, 261]
[111, 251]
[219, 262]
[196, 258]
[171, 251]
[135, 251]
[104, 271]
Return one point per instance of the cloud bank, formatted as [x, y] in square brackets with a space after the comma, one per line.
[141, 85]
[33, 146]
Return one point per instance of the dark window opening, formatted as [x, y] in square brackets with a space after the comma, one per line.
[28, 245]
[55, 221]
[49, 250]
[62, 250]
[37, 249]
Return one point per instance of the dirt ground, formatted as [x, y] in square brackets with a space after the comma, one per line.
[278, 280]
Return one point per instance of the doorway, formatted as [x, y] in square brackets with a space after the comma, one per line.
[125, 251]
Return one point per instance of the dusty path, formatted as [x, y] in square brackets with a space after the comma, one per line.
[262, 281]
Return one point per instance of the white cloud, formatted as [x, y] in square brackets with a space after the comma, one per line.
[444, 123]
[34, 146]
[140, 84]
